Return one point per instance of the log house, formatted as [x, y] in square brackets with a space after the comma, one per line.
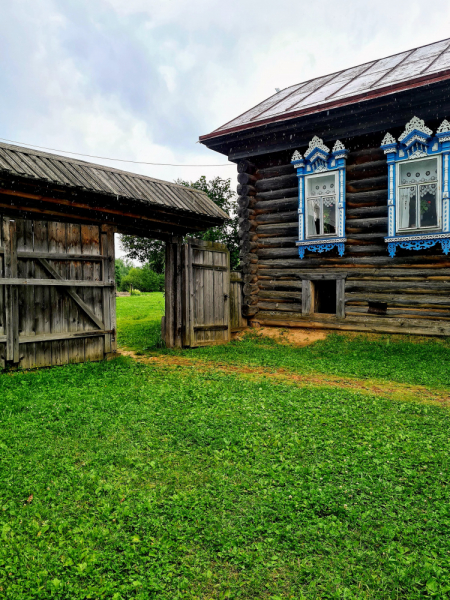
[371, 129]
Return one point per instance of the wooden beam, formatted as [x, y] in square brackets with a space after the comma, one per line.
[53, 282]
[11, 292]
[63, 335]
[70, 292]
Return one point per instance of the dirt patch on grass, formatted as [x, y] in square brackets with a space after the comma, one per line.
[387, 389]
[294, 337]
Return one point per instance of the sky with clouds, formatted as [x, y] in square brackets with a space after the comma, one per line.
[142, 79]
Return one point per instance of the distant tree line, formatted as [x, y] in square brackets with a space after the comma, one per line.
[151, 252]
[144, 278]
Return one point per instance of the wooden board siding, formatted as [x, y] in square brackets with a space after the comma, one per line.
[415, 285]
[57, 293]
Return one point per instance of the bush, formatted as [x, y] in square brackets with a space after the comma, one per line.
[143, 279]
[135, 292]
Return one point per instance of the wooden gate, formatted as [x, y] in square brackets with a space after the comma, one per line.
[197, 294]
[57, 293]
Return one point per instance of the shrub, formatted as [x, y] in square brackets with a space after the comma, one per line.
[143, 279]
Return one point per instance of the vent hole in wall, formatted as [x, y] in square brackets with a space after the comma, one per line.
[377, 308]
[325, 297]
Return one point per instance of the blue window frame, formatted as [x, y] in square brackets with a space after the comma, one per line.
[321, 197]
[418, 184]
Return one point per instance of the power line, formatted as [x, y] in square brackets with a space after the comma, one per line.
[137, 162]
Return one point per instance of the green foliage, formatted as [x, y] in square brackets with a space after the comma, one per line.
[135, 292]
[143, 279]
[220, 192]
[146, 251]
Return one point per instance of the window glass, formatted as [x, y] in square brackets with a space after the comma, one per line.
[418, 189]
[321, 211]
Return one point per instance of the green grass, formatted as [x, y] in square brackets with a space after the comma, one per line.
[122, 480]
[139, 321]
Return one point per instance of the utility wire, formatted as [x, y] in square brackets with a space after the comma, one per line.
[137, 162]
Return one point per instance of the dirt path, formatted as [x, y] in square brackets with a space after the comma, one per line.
[387, 389]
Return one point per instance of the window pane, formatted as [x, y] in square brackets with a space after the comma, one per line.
[428, 205]
[418, 171]
[407, 207]
[329, 215]
[319, 186]
[313, 217]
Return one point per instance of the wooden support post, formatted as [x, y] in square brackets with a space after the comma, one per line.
[173, 294]
[109, 293]
[11, 291]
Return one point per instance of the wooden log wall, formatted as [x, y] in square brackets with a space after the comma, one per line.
[409, 293]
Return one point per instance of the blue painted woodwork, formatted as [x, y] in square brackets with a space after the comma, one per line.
[417, 142]
[319, 159]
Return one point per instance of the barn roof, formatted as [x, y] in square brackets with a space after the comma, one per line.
[413, 68]
[114, 183]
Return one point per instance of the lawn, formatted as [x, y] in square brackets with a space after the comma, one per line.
[125, 480]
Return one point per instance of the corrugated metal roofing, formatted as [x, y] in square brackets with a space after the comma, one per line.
[419, 66]
[74, 173]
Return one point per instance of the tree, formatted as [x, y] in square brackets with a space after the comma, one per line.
[220, 192]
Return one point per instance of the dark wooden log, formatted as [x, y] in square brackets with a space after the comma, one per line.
[369, 223]
[248, 268]
[269, 172]
[350, 262]
[246, 190]
[279, 229]
[249, 311]
[250, 289]
[274, 294]
[244, 213]
[277, 183]
[243, 202]
[398, 300]
[285, 193]
[276, 252]
[365, 170]
[280, 306]
[406, 287]
[282, 204]
[252, 278]
[358, 157]
[277, 217]
[246, 179]
[371, 211]
[365, 249]
[373, 198]
[366, 185]
[277, 242]
[245, 166]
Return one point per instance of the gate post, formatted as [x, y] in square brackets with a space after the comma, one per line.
[173, 294]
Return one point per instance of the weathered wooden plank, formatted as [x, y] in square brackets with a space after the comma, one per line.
[43, 349]
[76, 314]
[64, 335]
[340, 298]
[54, 282]
[90, 243]
[307, 297]
[25, 268]
[60, 310]
[199, 275]
[11, 292]
[280, 306]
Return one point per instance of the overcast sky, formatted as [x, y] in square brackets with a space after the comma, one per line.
[142, 79]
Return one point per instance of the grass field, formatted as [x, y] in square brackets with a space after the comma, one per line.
[130, 479]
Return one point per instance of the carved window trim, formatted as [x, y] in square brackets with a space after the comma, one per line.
[418, 142]
[319, 159]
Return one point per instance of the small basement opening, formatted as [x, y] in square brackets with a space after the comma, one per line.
[377, 308]
[325, 297]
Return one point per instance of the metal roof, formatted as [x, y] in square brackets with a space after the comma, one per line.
[90, 177]
[417, 67]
